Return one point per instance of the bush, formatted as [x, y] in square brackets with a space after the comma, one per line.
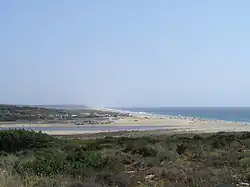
[78, 162]
[179, 160]
[12, 141]
[80, 184]
[144, 150]
[110, 179]
[245, 161]
[181, 149]
[48, 183]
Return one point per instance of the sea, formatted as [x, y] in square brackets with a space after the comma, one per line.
[238, 114]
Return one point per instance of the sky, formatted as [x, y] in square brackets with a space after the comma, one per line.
[127, 53]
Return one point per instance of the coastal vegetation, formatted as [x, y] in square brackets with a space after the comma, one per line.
[12, 113]
[15, 113]
[31, 159]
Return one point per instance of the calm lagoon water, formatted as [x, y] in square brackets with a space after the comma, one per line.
[92, 128]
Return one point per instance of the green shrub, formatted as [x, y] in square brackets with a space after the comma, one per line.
[12, 141]
[245, 161]
[181, 149]
[42, 166]
[111, 179]
[179, 160]
[80, 161]
[81, 184]
[146, 150]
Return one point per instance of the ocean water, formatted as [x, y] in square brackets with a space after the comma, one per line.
[238, 114]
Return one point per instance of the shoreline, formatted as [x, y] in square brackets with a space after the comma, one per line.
[141, 113]
[137, 119]
[166, 126]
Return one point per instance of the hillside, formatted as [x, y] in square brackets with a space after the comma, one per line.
[30, 159]
[10, 113]
[14, 113]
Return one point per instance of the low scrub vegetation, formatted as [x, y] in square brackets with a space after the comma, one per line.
[30, 159]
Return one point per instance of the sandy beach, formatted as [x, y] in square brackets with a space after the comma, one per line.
[173, 123]
[185, 123]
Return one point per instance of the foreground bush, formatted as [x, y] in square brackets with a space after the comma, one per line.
[178, 160]
[12, 141]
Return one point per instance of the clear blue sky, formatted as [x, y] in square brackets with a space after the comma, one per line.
[125, 53]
